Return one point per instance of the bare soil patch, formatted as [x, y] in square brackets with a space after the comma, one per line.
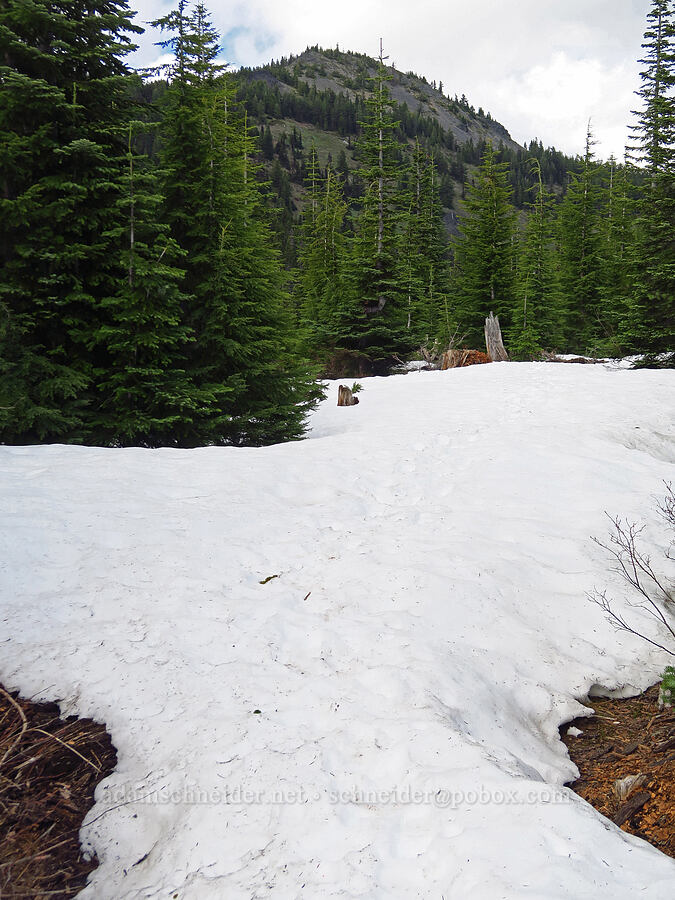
[628, 738]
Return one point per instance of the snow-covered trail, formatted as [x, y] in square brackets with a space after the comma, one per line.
[380, 720]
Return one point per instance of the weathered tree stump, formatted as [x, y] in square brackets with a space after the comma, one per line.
[493, 340]
[345, 396]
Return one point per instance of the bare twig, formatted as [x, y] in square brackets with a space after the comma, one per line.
[618, 621]
[24, 724]
[68, 747]
[667, 511]
[34, 856]
[635, 567]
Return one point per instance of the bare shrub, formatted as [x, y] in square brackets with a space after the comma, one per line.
[655, 595]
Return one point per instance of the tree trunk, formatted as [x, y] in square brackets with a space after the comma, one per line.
[493, 340]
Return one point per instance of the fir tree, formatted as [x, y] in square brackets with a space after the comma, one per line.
[267, 144]
[255, 388]
[652, 324]
[322, 253]
[64, 106]
[373, 320]
[485, 252]
[535, 319]
[423, 255]
[145, 395]
[580, 242]
[311, 282]
[616, 258]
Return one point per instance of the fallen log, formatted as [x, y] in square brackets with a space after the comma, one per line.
[631, 806]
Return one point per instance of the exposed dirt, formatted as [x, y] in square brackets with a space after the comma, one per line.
[49, 768]
[630, 737]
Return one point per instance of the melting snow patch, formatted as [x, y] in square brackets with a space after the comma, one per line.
[381, 719]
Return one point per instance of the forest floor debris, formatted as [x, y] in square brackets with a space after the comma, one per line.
[49, 769]
[625, 738]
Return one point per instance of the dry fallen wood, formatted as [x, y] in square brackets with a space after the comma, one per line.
[631, 807]
[589, 360]
[49, 769]
[630, 748]
[624, 787]
[24, 725]
[608, 780]
[456, 359]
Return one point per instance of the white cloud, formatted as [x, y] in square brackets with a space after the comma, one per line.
[540, 67]
[560, 96]
[159, 65]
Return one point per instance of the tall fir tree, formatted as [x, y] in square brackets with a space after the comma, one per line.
[580, 247]
[280, 385]
[536, 323]
[373, 320]
[145, 395]
[322, 254]
[311, 282]
[423, 257]
[652, 324]
[64, 109]
[616, 257]
[245, 361]
[485, 252]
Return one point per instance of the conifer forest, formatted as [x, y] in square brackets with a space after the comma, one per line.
[180, 270]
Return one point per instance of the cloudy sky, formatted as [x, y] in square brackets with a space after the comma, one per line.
[541, 67]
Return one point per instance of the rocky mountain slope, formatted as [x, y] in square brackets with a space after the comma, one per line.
[319, 98]
[349, 73]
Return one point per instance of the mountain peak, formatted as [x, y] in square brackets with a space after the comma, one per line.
[347, 72]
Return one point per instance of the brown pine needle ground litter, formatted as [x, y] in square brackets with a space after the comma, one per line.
[49, 769]
[629, 738]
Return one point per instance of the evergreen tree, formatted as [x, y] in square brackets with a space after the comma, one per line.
[267, 144]
[64, 107]
[535, 319]
[616, 258]
[423, 255]
[254, 386]
[145, 395]
[322, 253]
[485, 252]
[373, 320]
[580, 241]
[652, 325]
[311, 282]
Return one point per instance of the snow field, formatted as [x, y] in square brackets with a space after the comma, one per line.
[381, 719]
